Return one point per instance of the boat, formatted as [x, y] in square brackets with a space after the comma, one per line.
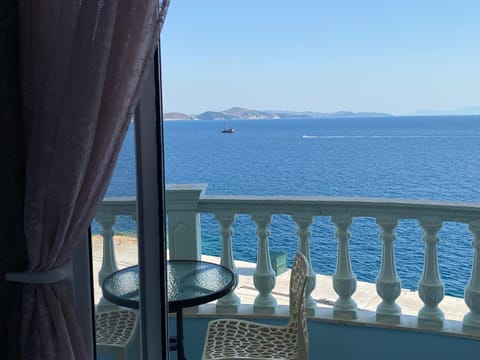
[229, 129]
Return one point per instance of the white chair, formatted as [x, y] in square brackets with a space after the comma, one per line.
[116, 331]
[240, 339]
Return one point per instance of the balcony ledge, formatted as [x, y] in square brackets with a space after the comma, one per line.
[364, 318]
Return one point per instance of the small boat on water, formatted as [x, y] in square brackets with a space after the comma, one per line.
[229, 129]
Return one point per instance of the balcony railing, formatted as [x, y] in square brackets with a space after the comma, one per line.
[185, 203]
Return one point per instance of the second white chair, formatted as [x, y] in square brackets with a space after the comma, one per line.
[240, 339]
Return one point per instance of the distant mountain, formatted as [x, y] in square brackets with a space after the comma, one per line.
[241, 113]
[236, 113]
[468, 110]
[216, 115]
[178, 116]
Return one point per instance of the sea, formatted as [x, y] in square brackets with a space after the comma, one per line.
[402, 157]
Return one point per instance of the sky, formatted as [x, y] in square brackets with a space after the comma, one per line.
[393, 56]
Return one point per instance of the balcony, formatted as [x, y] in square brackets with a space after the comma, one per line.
[347, 318]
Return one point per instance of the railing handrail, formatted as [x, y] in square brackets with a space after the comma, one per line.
[354, 206]
[125, 205]
[317, 205]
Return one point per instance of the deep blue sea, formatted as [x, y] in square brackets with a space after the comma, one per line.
[436, 158]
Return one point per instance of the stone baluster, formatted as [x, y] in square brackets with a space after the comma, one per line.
[388, 283]
[264, 277]
[430, 287]
[231, 302]
[304, 221]
[109, 262]
[471, 320]
[344, 280]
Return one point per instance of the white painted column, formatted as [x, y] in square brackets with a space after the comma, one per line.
[264, 277]
[184, 220]
[344, 280]
[231, 302]
[471, 321]
[430, 287]
[109, 262]
[388, 283]
[304, 221]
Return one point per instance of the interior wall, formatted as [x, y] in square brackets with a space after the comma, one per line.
[344, 342]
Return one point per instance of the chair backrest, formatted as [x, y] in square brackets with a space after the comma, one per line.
[298, 317]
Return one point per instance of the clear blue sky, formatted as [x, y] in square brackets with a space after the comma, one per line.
[392, 56]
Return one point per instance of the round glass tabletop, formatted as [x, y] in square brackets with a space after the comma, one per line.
[189, 283]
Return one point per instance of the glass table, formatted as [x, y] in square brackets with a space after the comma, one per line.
[190, 283]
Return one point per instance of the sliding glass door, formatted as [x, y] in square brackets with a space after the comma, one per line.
[129, 230]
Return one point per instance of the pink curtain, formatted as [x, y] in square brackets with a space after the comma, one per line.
[82, 65]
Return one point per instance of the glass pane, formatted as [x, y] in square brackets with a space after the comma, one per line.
[114, 246]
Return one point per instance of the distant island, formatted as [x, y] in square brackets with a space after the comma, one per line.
[237, 113]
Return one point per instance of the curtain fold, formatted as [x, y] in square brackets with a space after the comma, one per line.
[82, 65]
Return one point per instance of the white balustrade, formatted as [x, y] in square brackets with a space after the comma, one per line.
[184, 221]
[430, 287]
[388, 283]
[231, 302]
[304, 221]
[264, 277]
[107, 216]
[344, 281]
[109, 262]
[471, 321]
[185, 203]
